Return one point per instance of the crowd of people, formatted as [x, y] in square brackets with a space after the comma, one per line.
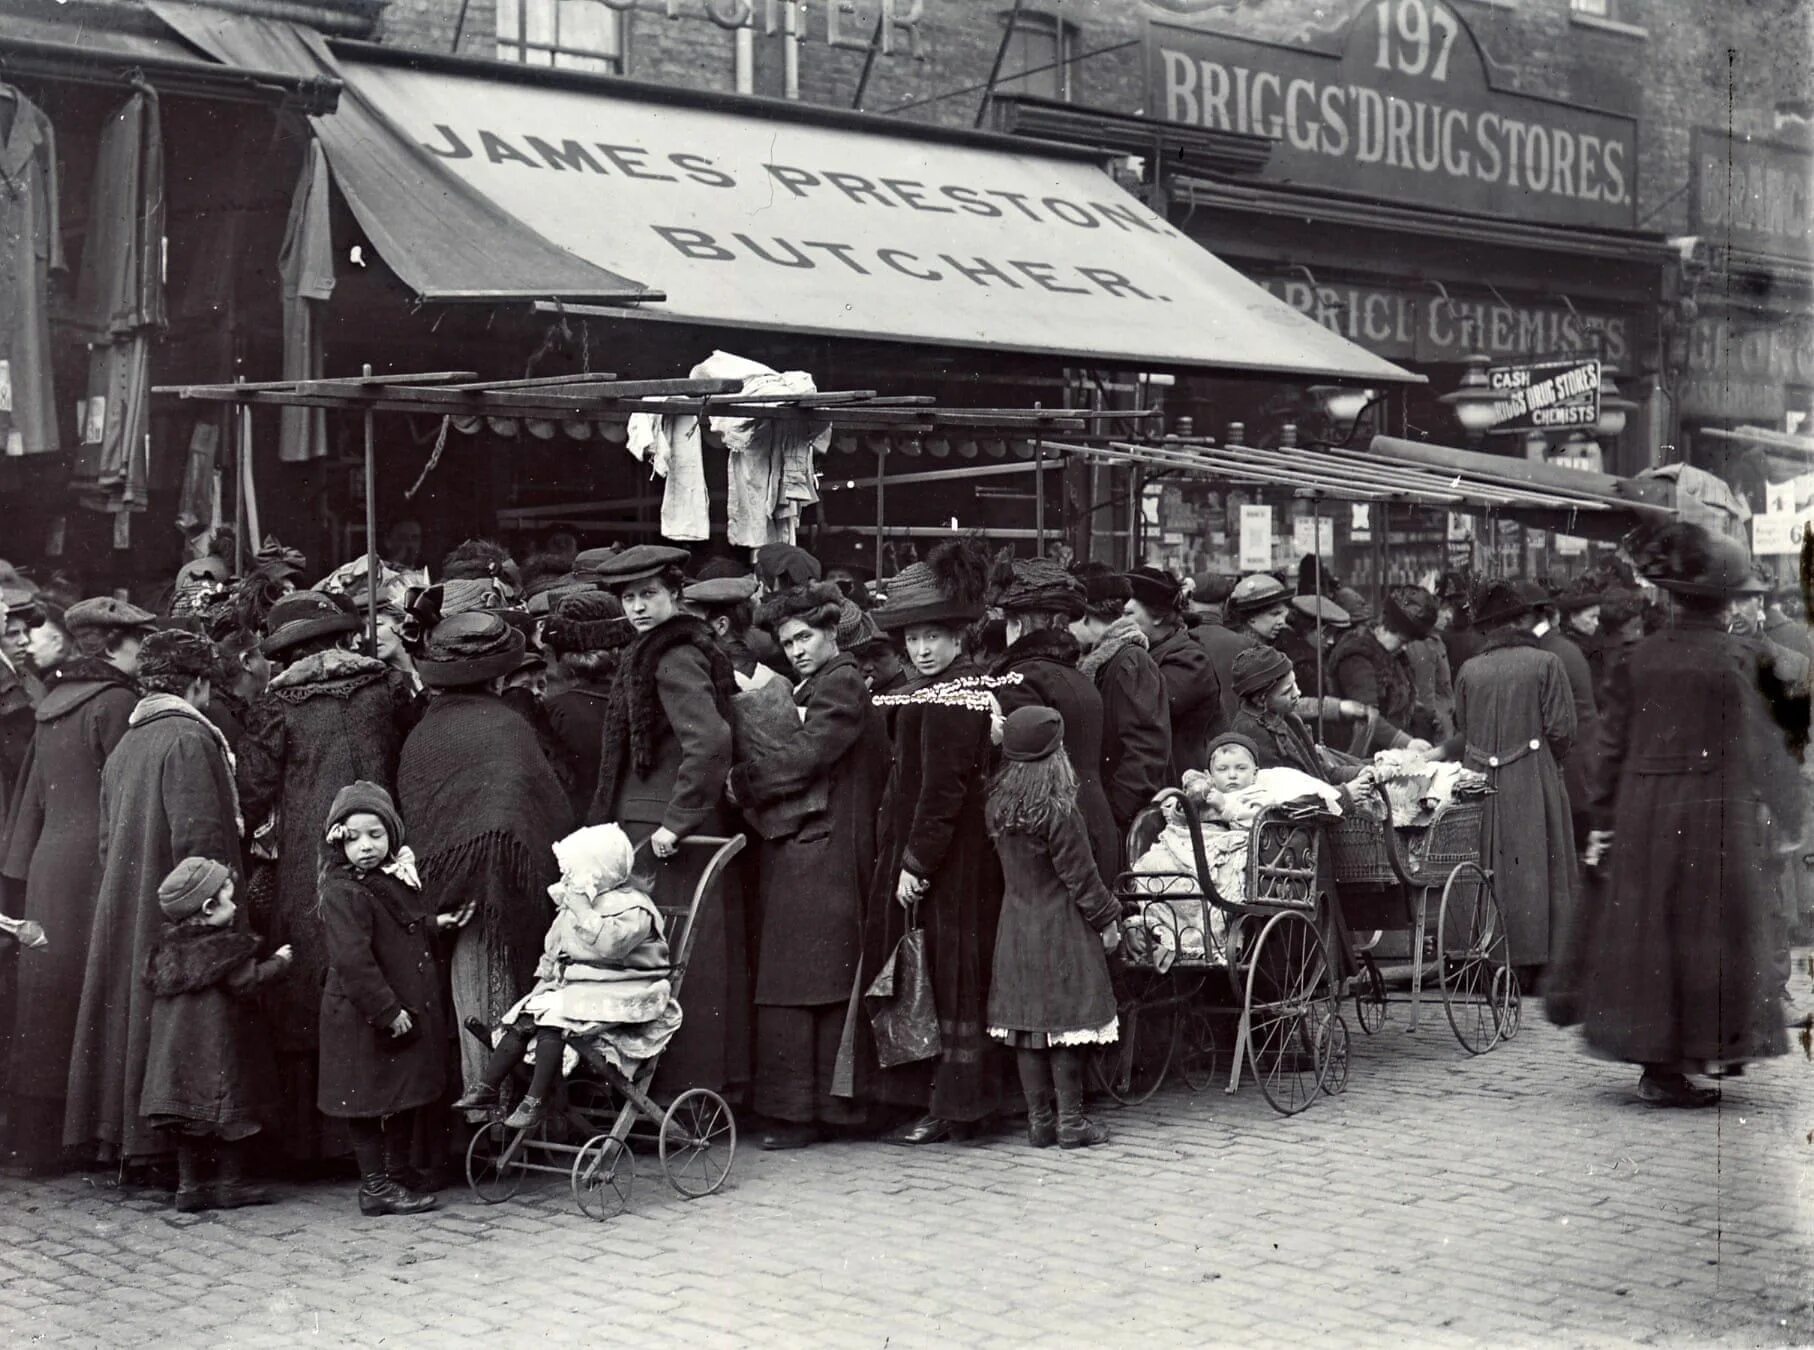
[317, 877]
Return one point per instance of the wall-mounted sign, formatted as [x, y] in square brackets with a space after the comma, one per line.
[1256, 538]
[1400, 107]
[1402, 324]
[1737, 370]
[1752, 195]
[1550, 396]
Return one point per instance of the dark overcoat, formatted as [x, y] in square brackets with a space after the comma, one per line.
[1692, 777]
[931, 824]
[1050, 971]
[576, 721]
[1194, 694]
[210, 1062]
[381, 960]
[1367, 673]
[1046, 660]
[1577, 768]
[54, 849]
[1224, 644]
[1136, 722]
[166, 794]
[813, 881]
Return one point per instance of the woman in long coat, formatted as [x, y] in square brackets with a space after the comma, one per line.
[166, 794]
[1515, 721]
[1193, 690]
[55, 851]
[1699, 795]
[813, 880]
[329, 717]
[1040, 600]
[663, 759]
[934, 856]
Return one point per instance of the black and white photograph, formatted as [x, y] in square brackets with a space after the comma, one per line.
[907, 673]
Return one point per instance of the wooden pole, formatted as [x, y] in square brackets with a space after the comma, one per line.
[241, 447]
[881, 491]
[371, 531]
[1039, 496]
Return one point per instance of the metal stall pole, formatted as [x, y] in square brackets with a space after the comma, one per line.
[1316, 550]
[371, 531]
[1039, 498]
[241, 446]
[881, 490]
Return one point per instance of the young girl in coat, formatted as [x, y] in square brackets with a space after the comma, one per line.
[203, 1070]
[383, 1027]
[1050, 995]
[603, 977]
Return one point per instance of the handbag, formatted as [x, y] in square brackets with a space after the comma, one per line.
[902, 1013]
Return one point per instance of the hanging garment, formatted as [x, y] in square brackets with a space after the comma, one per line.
[671, 448]
[306, 261]
[770, 476]
[30, 250]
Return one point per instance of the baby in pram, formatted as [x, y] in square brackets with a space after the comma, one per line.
[603, 977]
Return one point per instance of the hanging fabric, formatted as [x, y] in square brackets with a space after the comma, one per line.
[770, 475]
[30, 250]
[306, 262]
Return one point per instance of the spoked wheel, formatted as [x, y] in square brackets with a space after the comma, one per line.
[1473, 960]
[1369, 990]
[604, 1170]
[1332, 1054]
[1132, 1068]
[1509, 995]
[698, 1142]
[494, 1163]
[1198, 1059]
[1289, 1000]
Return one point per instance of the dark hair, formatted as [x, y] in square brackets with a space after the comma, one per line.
[741, 613]
[475, 560]
[1032, 795]
[1030, 619]
[314, 646]
[1105, 611]
[103, 641]
[173, 683]
[598, 666]
[817, 604]
[1703, 606]
[673, 580]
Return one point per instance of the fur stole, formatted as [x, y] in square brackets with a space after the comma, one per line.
[635, 712]
[337, 673]
[1042, 644]
[1124, 632]
[189, 958]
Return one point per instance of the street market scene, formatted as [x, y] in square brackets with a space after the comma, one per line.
[907, 672]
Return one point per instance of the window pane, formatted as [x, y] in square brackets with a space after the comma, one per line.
[599, 65]
[510, 17]
[1028, 48]
[1599, 8]
[538, 56]
[588, 26]
[538, 22]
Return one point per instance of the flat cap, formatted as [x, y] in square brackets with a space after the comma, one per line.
[637, 563]
[721, 590]
[103, 611]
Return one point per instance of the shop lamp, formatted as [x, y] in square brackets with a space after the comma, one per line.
[1343, 403]
[1536, 447]
[1474, 402]
[1614, 407]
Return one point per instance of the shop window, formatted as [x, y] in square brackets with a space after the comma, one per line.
[1038, 59]
[571, 34]
[1596, 9]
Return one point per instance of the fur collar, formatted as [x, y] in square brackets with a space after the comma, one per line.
[634, 709]
[1501, 638]
[80, 680]
[1042, 644]
[189, 957]
[1124, 632]
[335, 672]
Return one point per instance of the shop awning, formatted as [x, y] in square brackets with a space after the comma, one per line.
[755, 213]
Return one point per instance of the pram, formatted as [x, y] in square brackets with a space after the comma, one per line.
[695, 1136]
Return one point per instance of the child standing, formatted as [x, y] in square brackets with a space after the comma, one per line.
[1050, 993]
[203, 1080]
[383, 1029]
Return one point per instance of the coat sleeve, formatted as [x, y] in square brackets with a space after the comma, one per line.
[684, 685]
[1069, 843]
[1612, 736]
[346, 920]
[1559, 723]
[200, 818]
[27, 821]
[1139, 760]
[1190, 678]
[248, 975]
[952, 758]
[834, 720]
[605, 935]
[261, 759]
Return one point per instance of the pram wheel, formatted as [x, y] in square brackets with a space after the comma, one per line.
[494, 1162]
[604, 1170]
[1133, 1066]
[1289, 1000]
[1473, 961]
[1332, 1054]
[1369, 995]
[1197, 1050]
[698, 1142]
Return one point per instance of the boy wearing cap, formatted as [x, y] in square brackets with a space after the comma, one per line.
[204, 1075]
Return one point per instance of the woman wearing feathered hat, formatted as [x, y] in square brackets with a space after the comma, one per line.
[934, 857]
[1694, 798]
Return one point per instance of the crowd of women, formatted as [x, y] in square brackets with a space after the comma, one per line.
[149, 756]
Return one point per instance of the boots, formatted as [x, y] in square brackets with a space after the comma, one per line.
[380, 1192]
[1075, 1130]
[1036, 1087]
[231, 1189]
[193, 1191]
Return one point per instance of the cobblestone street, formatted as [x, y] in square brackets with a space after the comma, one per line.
[1523, 1198]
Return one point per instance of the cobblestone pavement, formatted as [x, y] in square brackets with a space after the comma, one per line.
[1523, 1198]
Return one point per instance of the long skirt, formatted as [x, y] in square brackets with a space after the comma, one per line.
[796, 1061]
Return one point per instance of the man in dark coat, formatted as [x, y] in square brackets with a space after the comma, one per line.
[1039, 599]
[1193, 691]
[1373, 668]
[166, 794]
[54, 852]
[812, 880]
[1577, 768]
[1136, 709]
[1257, 611]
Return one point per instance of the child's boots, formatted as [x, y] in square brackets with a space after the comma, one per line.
[1075, 1130]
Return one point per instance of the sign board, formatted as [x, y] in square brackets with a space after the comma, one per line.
[1311, 535]
[1738, 370]
[1779, 533]
[1755, 196]
[1395, 104]
[1360, 522]
[1407, 324]
[1256, 538]
[1549, 396]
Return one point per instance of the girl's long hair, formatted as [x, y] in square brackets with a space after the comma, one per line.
[1030, 796]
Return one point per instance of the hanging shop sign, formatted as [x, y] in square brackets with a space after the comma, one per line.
[1403, 324]
[1741, 370]
[1752, 195]
[1548, 396]
[1398, 105]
